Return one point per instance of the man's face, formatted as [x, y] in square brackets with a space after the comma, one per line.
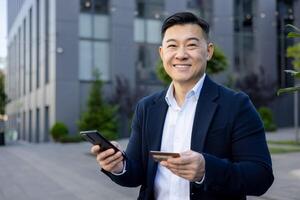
[184, 53]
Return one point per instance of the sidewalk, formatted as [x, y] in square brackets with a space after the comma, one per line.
[69, 172]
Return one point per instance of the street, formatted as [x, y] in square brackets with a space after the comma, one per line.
[69, 172]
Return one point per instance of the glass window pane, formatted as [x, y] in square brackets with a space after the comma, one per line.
[139, 30]
[101, 6]
[147, 59]
[85, 25]
[101, 59]
[153, 31]
[85, 60]
[101, 26]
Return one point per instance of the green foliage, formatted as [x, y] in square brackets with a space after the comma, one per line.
[161, 73]
[58, 131]
[267, 118]
[293, 52]
[3, 97]
[99, 115]
[71, 138]
[217, 64]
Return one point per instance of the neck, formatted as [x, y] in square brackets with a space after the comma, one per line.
[180, 91]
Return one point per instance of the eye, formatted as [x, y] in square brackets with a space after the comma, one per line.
[192, 45]
[171, 46]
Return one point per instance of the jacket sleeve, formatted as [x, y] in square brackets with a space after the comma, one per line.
[248, 171]
[134, 164]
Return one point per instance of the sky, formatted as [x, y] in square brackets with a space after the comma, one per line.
[2, 29]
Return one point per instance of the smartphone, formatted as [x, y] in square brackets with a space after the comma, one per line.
[159, 156]
[94, 137]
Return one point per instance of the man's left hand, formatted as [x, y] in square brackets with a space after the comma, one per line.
[190, 165]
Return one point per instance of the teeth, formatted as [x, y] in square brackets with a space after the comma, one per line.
[181, 66]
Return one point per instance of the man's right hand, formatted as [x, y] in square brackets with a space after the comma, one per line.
[109, 160]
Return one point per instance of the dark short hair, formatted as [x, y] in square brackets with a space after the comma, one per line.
[182, 18]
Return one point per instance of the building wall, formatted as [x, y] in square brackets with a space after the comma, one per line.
[65, 68]
[44, 82]
[29, 97]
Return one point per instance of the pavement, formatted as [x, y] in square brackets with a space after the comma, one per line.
[69, 172]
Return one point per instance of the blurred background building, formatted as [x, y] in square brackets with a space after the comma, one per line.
[54, 45]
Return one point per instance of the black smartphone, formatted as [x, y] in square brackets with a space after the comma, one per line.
[96, 138]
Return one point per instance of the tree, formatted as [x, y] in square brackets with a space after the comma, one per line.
[293, 52]
[217, 64]
[99, 115]
[3, 97]
[126, 97]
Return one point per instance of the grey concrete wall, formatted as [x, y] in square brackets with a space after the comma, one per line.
[172, 6]
[122, 40]
[265, 38]
[222, 34]
[66, 68]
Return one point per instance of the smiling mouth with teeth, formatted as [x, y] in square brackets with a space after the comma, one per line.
[182, 65]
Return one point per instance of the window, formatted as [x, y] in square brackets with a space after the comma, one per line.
[37, 125]
[94, 36]
[101, 6]
[30, 126]
[30, 49]
[85, 25]
[285, 15]
[93, 55]
[24, 136]
[46, 41]
[46, 124]
[101, 59]
[24, 56]
[85, 60]
[101, 27]
[37, 43]
[243, 35]
[147, 25]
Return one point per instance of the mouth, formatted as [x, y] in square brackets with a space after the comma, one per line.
[182, 66]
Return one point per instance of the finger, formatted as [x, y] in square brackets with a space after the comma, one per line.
[182, 160]
[104, 154]
[185, 168]
[95, 149]
[112, 158]
[114, 163]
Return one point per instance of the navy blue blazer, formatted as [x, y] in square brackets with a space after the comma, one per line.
[227, 130]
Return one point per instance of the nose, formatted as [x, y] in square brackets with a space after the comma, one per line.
[181, 54]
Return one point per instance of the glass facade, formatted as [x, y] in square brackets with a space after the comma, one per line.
[147, 24]
[243, 35]
[94, 34]
[285, 15]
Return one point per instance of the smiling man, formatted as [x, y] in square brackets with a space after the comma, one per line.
[217, 132]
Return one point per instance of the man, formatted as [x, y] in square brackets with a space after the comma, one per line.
[218, 133]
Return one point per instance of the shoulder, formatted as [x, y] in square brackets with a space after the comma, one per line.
[225, 93]
[152, 98]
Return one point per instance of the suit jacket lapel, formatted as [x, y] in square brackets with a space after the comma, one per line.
[205, 110]
[155, 124]
[156, 121]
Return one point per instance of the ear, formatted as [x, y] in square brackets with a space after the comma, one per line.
[210, 51]
[160, 51]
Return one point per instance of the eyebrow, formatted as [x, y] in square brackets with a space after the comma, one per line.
[191, 38]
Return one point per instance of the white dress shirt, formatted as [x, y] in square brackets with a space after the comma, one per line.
[176, 137]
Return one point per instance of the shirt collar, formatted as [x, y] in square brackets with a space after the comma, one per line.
[193, 93]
